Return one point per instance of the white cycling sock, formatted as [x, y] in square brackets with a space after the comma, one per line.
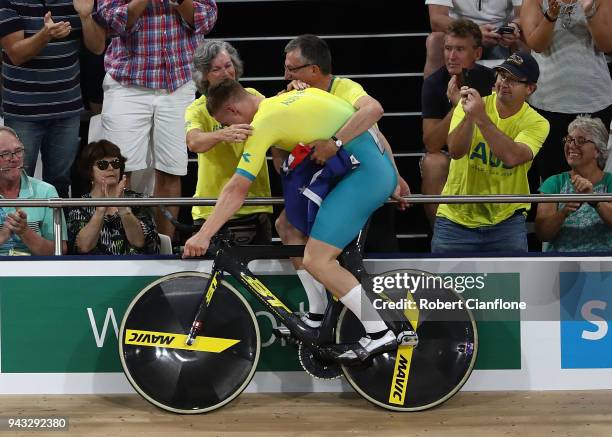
[353, 301]
[315, 291]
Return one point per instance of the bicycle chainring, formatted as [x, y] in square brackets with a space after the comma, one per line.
[315, 366]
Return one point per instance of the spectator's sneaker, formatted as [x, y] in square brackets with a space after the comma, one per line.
[311, 319]
[365, 348]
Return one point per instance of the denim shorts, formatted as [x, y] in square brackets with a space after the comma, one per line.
[507, 236]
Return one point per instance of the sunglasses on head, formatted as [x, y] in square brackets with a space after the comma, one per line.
[103, 164]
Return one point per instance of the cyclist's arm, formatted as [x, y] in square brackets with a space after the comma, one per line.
[229, 202]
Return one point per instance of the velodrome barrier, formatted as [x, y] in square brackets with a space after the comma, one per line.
[57, 203]
[59, 319]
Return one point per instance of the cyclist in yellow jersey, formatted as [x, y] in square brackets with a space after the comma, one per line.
[308, 64]
[492, 143]
[284, 121]
[220, 148]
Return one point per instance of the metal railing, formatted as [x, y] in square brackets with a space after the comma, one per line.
[58, 203]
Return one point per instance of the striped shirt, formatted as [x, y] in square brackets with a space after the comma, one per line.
[47, 86]
[156, 52]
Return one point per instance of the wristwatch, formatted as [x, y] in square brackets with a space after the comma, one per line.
[175, 3]
[337, 140]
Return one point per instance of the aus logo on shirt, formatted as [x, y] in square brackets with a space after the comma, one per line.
[586, 313]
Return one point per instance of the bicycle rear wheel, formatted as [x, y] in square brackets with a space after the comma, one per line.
[188, 379]
[420, 377]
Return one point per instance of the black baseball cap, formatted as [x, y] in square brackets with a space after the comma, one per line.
[522, 65]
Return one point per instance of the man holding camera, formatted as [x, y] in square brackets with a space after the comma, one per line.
[440, 95]
[498, 21]
[492, 142]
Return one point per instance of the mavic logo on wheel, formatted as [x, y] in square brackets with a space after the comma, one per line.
[150, 338]
[264, 292]
[397, 395]
[177, 341]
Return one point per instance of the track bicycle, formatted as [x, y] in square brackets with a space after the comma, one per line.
[189, 342]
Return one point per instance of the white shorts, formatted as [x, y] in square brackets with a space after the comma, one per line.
[134, 117]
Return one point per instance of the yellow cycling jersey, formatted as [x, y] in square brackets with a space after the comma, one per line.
[290, 118]
[481, 172]
[217, 166]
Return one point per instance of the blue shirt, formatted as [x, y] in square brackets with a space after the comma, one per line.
[48, 85]
[40, 219]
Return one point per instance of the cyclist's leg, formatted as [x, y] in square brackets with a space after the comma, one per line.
[320, 259]
[315, 291]
[342, 215]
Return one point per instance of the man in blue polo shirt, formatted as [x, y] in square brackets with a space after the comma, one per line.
[23, 231]
[41, 97]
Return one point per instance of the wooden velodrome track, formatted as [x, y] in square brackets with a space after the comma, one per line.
[473, 414]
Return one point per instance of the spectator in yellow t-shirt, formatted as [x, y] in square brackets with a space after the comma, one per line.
[492, 142]
[220, 148]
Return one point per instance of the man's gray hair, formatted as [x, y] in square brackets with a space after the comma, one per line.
[203, 57]
[10, 131]
[595, 128]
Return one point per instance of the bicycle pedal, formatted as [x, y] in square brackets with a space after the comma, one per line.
[408, 338]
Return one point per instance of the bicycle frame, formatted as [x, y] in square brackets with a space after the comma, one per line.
[234, 260]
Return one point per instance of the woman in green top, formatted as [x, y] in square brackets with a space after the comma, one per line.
[579, 226]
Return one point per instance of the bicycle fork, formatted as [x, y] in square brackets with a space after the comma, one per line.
[211, 287]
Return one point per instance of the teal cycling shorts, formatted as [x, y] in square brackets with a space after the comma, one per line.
[345, 210]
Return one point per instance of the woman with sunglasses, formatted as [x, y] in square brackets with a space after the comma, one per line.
[109, 230]
[579, 226]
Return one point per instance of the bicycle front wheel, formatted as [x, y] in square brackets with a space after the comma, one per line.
[188, 379]
[420, 377]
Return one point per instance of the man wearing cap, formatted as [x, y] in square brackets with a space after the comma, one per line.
[492, 142]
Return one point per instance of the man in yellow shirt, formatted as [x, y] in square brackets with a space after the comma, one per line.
[220, 148]
[284, 121]
[492, 143]
[308, 64]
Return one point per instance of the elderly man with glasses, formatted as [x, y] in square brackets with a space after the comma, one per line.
[23, 231]
[492, 142]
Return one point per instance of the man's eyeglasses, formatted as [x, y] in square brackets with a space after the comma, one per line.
[579, 141]
[294, 69]
[10, 155]
[103, 164]
[510, 80]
